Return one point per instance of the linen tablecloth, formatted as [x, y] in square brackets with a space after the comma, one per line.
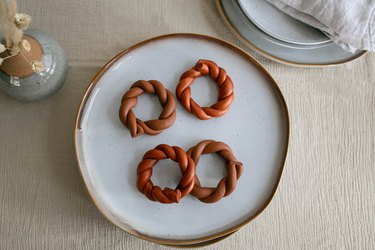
[326, 197]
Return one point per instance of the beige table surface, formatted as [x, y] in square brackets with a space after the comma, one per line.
[326, 198]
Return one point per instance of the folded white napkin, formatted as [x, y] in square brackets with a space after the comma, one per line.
[349, 23]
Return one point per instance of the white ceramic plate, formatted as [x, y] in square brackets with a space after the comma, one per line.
[280, 25]
[276, 41]
[249, 34]
[256, 127]
[255, 31]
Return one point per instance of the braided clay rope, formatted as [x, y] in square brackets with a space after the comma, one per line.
[226, 95]
[151, 127]
[167, 195]
[226, 185]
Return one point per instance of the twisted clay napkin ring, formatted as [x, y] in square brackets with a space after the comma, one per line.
[151, 127]
[226, 185]
[226, 95]
[167, 195]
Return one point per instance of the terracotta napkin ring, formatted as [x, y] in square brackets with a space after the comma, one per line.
[226, 95]
[152, 127]
[167, 195]
[226, 185]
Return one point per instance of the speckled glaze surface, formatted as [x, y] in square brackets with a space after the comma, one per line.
[39, 85]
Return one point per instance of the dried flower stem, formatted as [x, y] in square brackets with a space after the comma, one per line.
[27, 60]
[36, 66]
[8, 11]
[10, 56]
[12, 25]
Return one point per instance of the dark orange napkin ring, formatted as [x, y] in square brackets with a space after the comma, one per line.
[226, 94]
[167, 195]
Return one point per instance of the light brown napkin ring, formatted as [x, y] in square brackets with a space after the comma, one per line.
[226, 185]
[152, 127]
[167, 195]
[226, 95]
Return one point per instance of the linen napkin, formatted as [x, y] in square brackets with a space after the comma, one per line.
[349, 23]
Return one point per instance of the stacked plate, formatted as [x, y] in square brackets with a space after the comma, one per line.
[274, 34]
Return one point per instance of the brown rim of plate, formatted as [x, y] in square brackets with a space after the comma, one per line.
[107, 214]
[234, 31]
[203, 244]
